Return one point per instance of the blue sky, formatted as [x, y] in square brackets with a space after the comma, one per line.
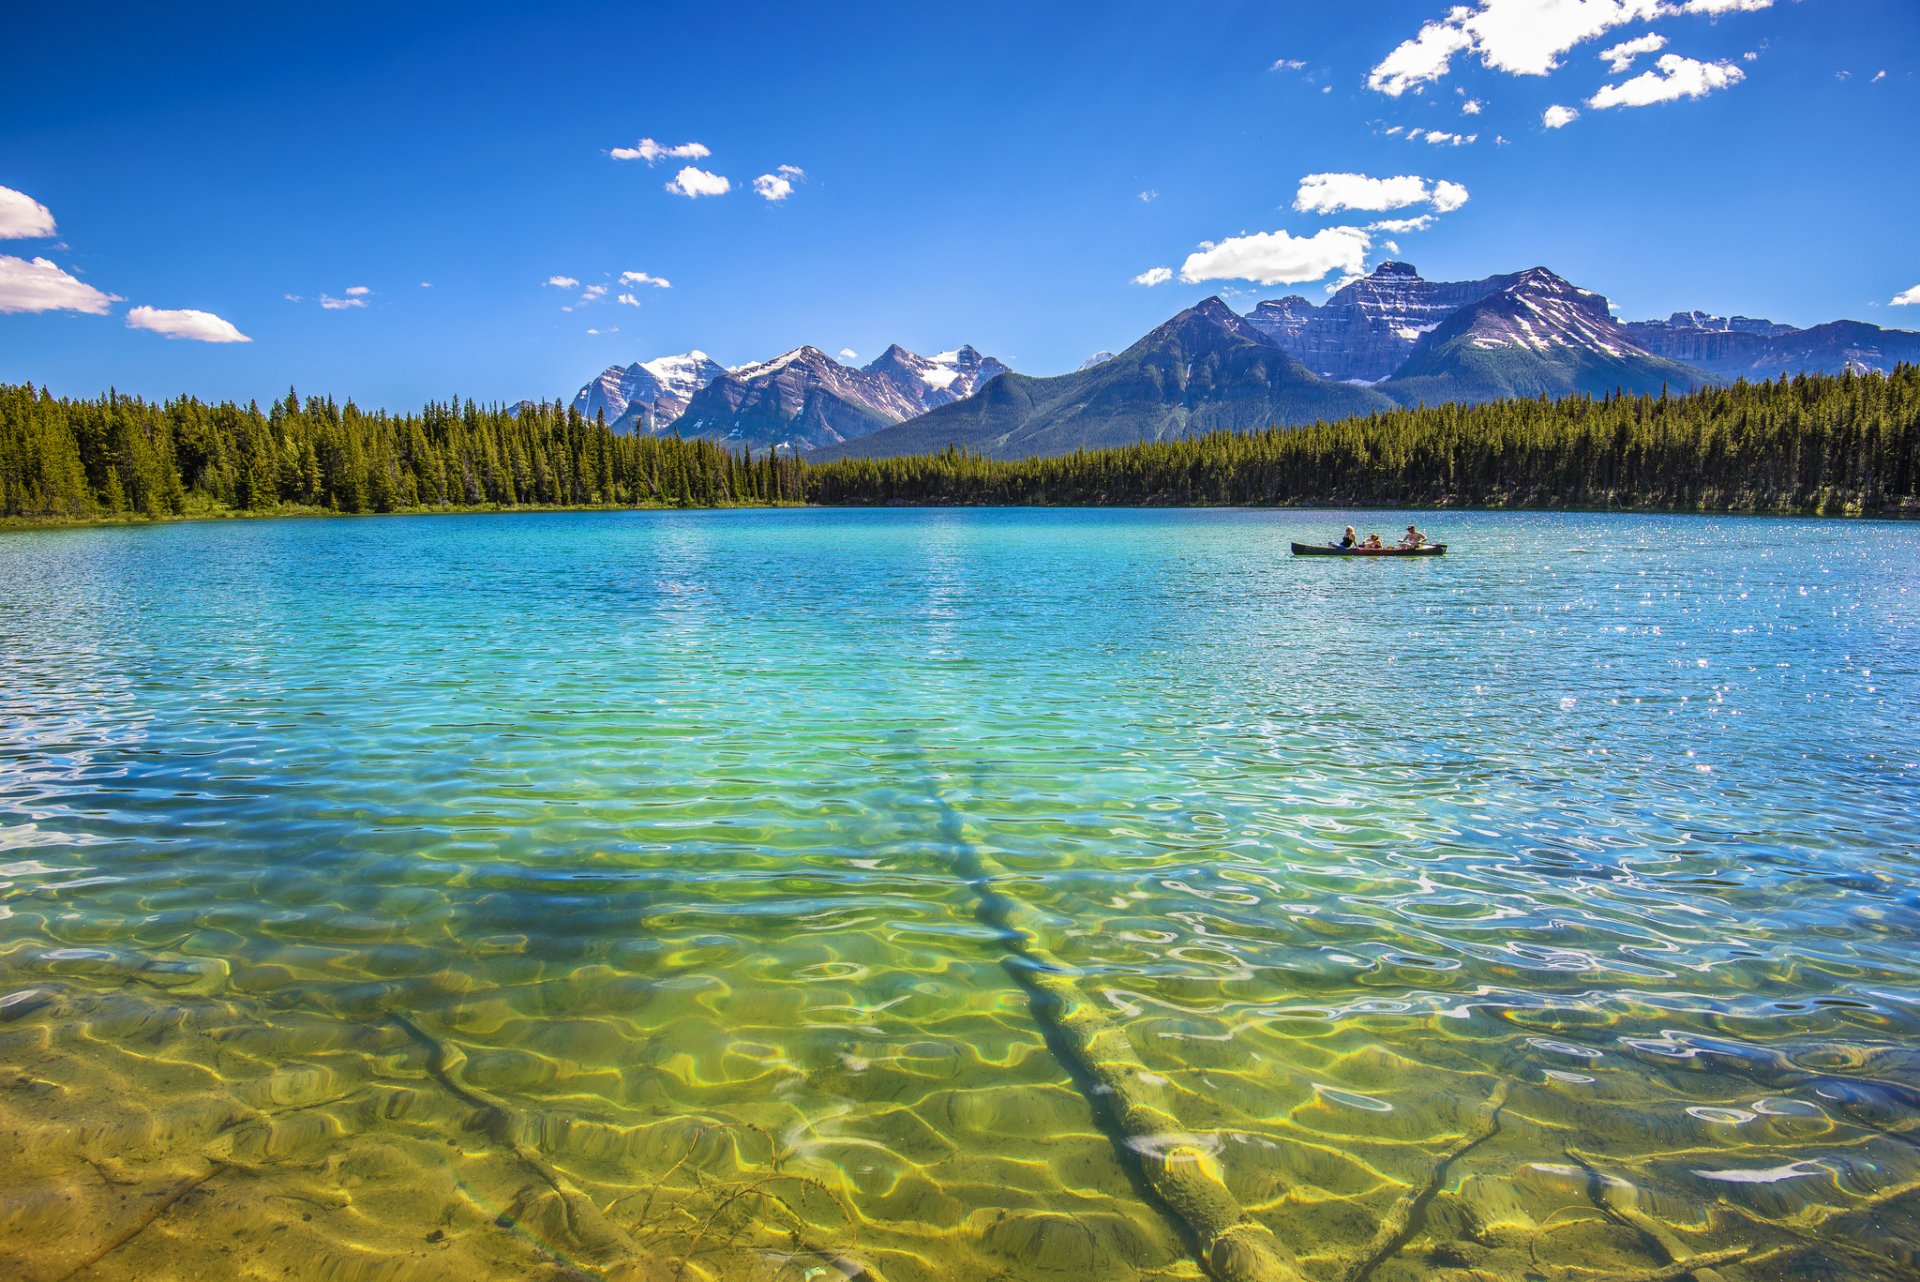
[992, 173]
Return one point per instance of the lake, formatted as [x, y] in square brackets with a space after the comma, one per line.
[925, 895]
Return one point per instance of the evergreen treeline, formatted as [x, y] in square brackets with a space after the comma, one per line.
[1810, 444]
[119, 456]
[1813, 444]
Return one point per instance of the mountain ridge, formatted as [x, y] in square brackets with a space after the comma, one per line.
[1388, 338]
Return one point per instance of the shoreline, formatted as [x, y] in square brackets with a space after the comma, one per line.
[9, 524]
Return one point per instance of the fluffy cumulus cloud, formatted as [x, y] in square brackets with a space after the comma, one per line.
[691, 182]
[1401, 226]
[1621, 56]
[1558, 117]
[185, 322]
[645, 278]
[652, 152]
[1154, 276]
[1673, 77]
[848, 354]
[1330, 193]
[1288, 64]
[778, 185]
[1907, 298]
[593, 292]
[1472, 107]
[358, 291]
[1276, 258]
[21, 216]
[563, 282]
[1521, 37]
[627, 300]
[38, 285]
[332, 304]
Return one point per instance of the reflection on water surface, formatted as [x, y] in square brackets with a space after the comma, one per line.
[958, 895]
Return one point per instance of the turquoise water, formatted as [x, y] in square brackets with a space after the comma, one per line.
[660, 895]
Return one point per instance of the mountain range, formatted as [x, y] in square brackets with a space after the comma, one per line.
[800, 400]
[1388, 339]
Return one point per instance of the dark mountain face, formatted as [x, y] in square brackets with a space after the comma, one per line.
[1368, 329]
[1207, 368]
[1538, 334]
[1741, 347]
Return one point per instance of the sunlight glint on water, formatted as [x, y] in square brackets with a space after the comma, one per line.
[578, 895]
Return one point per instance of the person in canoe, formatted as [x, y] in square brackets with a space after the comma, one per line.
[1372, 544]
[1348, 540]
[1413, 538]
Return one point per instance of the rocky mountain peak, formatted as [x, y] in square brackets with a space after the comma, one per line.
[1367, 328]
[647, 395]
[1539, 310]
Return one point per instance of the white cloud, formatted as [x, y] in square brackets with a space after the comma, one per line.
[774, 187]
[652, 152]
[1391, 246]
[358, 291]
[563, 282]
[1287, 64]
[1472, 107]
[1619, 57]
[201, 327]
[291, 298]
[1674, 77]
[1438, 138]
[592, 293]
[1274, 257]
[1327, 193]
[1878, 76]
[645, 278]
[332, 304]
[1907, 298]
[692, 182]
[1330, 193]
[848, 354]
[40, 286]
[1154, 276]
[426, 284]
[1558, 117]
[611, 329]
[628, 300]
[1401, 226]
[22, 216]
[1522, 37]
[1424, 58]
[1148, 196]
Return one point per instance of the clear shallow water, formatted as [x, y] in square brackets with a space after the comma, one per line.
[602, 895]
